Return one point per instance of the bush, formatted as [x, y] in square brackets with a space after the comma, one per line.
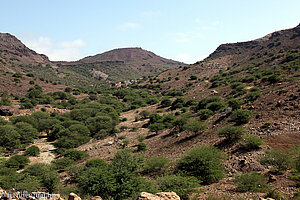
[98, 163]
[238, 88]
[253, 94]
[203, 162]
[204, 114]
[181, 185]
[17, 162]
[278, 159]
[155, 164]
[215, 106]
[75, 154]
[165, 102]
[156, 127]
[141, 147]
[235, 103]
[204, 102]
[251, 142]
[241, 116]
[195, 126]
[267, 124]
[231, 133]
[250, 182]
[48, 177]
[141, 138]
[144, 114]
[193, 77]
[62, 163]
[9, 137]
[32, 151]
[122, 137]
[178, 103]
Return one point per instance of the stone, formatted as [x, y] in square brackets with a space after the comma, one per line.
[159, 196]
[96, 198]
[6, 111]
[272, 178]
[73, 196]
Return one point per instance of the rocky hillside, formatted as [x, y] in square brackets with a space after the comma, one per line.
[13, 52]
[223, 128]
[16, 60]
[116, 65]
[236, 55]
[123, 64]
[131, 55]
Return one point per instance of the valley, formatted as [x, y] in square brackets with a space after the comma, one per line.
[226, 127]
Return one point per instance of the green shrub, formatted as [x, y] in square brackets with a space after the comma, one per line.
[122, 137]
[155, 164]
[32, 151]
[9, 137]
[253, 94]
[62, 163]
[141, 138]
[165, 102]
[47, 176]
[203, 162]
[231, 133]
[193, 77]
[156, 127]
[17, 162]
[204, 114]
[75, 154]
[144, 114]
[250, 182]
[195, 126]
[204, 102]
[98, 163]
[235, 103]
[278, 159]
[17, 75]
[238, 88]
[181, 185]
[126, 142]
[241, 116]
[251, 142]
[273, 194]
[141, 147]
[267, 124]
[215, 106]
[178, 103]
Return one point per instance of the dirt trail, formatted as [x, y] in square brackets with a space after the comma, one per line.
[46, 152]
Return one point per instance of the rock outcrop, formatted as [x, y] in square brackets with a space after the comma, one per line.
[159, 196]
[73, 196]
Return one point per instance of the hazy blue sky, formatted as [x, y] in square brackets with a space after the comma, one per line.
[185, 30]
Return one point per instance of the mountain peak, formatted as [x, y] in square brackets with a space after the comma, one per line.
[129, 55]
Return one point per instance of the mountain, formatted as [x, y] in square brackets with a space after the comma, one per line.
[13, 52]
[115, 65]
[273, 42]
[235, 55]
[16, 60]
[122, 64]
[130, 55]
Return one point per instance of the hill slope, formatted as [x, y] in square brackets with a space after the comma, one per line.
[122, 64]
[115, 65]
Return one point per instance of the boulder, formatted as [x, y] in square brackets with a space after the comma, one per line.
[73, 196]
[159, 196]
[96, 198]
[6, 111]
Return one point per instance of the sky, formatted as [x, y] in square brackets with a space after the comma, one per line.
[183, 30]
